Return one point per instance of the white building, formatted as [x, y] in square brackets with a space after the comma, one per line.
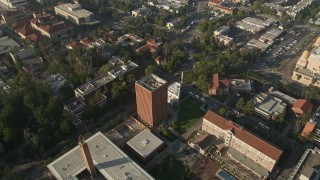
[11, 4]
[247, 148]
[97, 152]
[174, 93]
[268, 106]
[307, 70]
[74, 13]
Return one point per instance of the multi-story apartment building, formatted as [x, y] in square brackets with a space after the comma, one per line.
[14, 3]
[20, 14]
[307, 70]
[74, 13]
[151, 95]
[252, 151]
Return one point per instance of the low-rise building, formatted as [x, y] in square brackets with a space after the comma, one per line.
[55, 82]
[152, 45]
[270, 36]
[13, 4]
[97, 157]
[300, 6]
[22, 53]
[74, 13]
[247, 148]
[160, 60]
[308, 167]
[174, 93]
[140, 12]
[118, 68]
[219, 6]
[307, 70]
[284, 97]
[224, 86]
[302, 107]
[34, 65]
[258, 44]
[7, 44]
[174, 23]
[145, 145]
[76, 108]
[311, 130]
[11, 16]
[217, 86]
[202, 142]
[221, 30]
[170, 5]
[47, 26]
[241, 86]
[129, 40]
[254, 25]
[226, 40]
[268, 106]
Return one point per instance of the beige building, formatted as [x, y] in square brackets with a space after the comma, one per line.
[247, 148]
[74, 13]
[11, 4]
[307, 70]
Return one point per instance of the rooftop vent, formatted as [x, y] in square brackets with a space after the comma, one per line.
[145, 142]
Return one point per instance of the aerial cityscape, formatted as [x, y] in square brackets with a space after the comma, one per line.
[160, 89]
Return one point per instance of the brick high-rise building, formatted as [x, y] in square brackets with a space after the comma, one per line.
[151, 97]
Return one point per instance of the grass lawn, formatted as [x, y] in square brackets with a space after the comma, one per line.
[171, 169]
[189, 113]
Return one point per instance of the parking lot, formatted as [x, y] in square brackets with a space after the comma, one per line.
[289, 46]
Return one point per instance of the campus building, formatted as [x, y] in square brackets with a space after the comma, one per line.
[97, 158]
[12, 4]
[247, 148]
[268, 106]
[145, 145]
[307, 70]
[308, 167]
[74, 13]
[151, 97]
[311, 129]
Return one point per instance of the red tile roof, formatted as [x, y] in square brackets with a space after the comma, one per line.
[151, 45]
[226, 9]
[215, 80]
[308, 128]
[215, 1]
[224, 83]
[245, 136]
[303, 104]
[160, 59]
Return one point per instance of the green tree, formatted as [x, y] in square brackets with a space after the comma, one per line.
[240, 104]
[248, 107]
[222, 111]
[165, 132]
[150, 69]
[9, 135]
[202, 82]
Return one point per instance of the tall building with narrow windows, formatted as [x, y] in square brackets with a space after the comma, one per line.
[151, 97]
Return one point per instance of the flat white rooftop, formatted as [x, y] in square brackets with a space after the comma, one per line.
[109, 160]
[74, 10]
[145, 143]
[7, 44]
